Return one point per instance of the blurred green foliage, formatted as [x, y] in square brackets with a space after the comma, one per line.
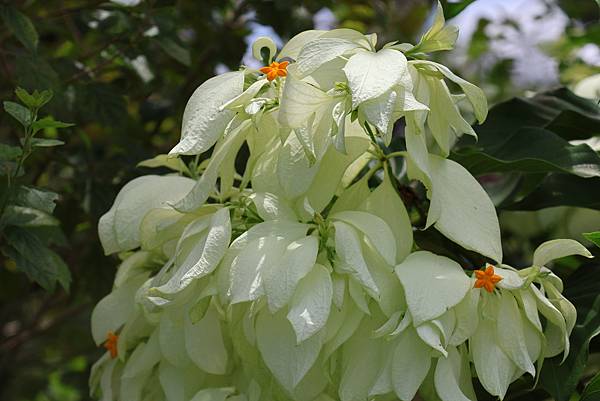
[123, 76]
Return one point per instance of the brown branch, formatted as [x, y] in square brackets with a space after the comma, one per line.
[93, 70]
[5, 68]
[70, 10]
[72, 27]
[40, 326]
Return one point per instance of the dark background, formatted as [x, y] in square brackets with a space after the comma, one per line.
[123, 74]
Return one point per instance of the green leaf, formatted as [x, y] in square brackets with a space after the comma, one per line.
[49, 122]
[175, 50]
[557, 190]
[101, 103]
[42, 97]
[26, 98]
[170, 162]
[18, 112]
[8, 159]
[452, 9]
[545, 110]
[9, 153]
[45, 143]
[27, 217]
[32, 257]
[549, 120]
[582, 289]
[34, 100]
[34, 71]
[36, 198]
[593, 237]
[8, 168]
[592, 390]
[530, 137]
[21, 26]
[570, 124]
[531, 150]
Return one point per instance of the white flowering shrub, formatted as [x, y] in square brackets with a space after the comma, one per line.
[297, 278]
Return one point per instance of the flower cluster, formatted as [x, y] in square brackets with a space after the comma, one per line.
[295, 279]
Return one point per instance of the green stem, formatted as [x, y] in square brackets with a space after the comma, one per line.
[401, 153]
[371, 135]
[373, 170]
[25, 152]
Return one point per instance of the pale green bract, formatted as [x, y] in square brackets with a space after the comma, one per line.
[298, 278]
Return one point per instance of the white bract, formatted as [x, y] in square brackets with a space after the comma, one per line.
[298, 278]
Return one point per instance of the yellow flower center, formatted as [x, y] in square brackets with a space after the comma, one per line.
[275, 70]
[487, 279]
[111, 344]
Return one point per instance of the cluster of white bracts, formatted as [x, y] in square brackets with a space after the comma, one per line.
[296, 281]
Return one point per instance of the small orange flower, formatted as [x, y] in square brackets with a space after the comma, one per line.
[111, 344]
[487, 279]
[275, 70]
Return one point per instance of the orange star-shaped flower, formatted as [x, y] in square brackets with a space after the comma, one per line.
[275, 70]
[487, 279]
[111, 344]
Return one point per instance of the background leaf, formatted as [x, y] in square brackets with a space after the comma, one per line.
[583, 290]
[18, 112]
[32, 257]
[550, 173]
[549, 120]
[49, 122]
[452, 9]
[550, 153]
[592, 390]
[593, 237]
[36, 198]
[45, 143]
[21, 26]
[554, 190]
[126, 93]
[175, 50]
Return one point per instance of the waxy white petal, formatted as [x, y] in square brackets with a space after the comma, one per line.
[271, 207]
[494, 368]
[203, 121]
[297, 261]
[204, 257]
[294, 46]
[171, 337]
[115, 309]
[407, 373]
[287, 360]
[251, 265]
[447, 377]
[385, 203]
[331, 170]
[556, 249]
[372, 74]
[474, 93]
[361, 357]
[299, 101]
[213, 394]
[467, 216]
[351, 260]
[119, 228]
[204, 343]
[206, 184]
[432, 284]
[309, 308]
[320, 51]
[375, 229]
[510, 333]
[467, 318]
